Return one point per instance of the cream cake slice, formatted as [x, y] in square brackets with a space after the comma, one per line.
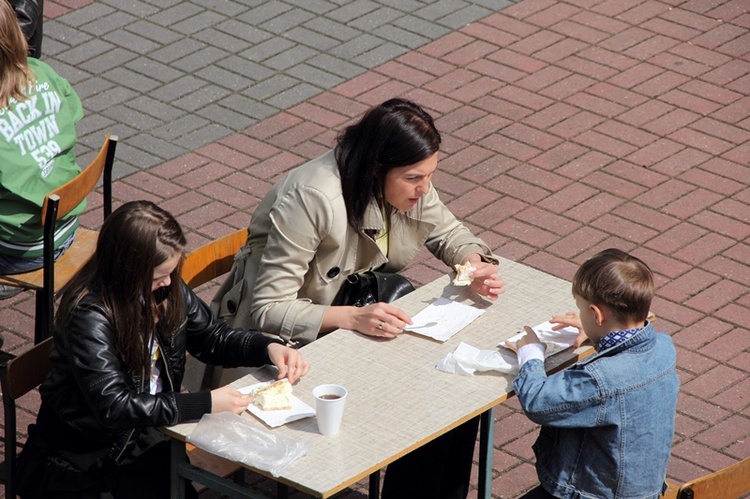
[274, 397]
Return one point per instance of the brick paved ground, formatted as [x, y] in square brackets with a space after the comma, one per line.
[569, 126]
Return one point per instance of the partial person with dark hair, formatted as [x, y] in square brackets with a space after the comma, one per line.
[367, 205]
[607, 421]
[30, 14]
[38, 115]
[123, 328]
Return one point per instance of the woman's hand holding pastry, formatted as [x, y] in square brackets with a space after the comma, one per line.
[290, 362]
[486, 282]
[570, 319]
[381, 320]
[229, 399]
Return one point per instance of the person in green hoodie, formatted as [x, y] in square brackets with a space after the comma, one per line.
[38, 113]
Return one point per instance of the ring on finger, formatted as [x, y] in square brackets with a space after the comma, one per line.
[380, 326]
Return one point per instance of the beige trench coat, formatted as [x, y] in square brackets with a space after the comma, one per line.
[300, 249]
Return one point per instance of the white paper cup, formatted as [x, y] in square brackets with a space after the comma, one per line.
[329, 407]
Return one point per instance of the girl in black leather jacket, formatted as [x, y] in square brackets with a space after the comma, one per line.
[122, 330]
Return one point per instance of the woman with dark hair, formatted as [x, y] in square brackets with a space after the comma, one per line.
[121, 334]
[367, 205]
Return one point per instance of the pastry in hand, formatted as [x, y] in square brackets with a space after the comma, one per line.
[464, 274]
[274, 397]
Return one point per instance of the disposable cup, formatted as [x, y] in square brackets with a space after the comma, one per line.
[329, 407]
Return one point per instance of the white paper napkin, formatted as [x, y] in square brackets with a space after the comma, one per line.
[273, 419]
[465, 360]
[448, 316]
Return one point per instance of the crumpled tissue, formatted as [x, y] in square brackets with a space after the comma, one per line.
[465, 360]
[229, 436]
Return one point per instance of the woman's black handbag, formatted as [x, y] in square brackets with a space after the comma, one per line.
[371, 287]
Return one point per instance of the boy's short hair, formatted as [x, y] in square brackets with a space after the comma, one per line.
[621, 282]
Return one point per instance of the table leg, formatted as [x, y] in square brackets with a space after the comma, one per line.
[282, 491]
[374, 489]
[486, 437]
[177, 456]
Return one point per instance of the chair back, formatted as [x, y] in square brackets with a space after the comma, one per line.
[18, 376]
[59, 203]
[728, 483]
[212, 259]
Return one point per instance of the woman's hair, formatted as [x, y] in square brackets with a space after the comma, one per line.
[134, 240]
[619, 281]
[16, 76]
[394, 134]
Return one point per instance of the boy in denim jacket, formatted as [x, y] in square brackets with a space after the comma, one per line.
[607, 421]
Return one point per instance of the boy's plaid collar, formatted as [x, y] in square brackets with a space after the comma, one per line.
[617, 337]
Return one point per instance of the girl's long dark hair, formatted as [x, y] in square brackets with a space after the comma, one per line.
[394, 134]
[134, 240]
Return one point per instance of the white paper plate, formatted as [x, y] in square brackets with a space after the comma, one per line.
[299, 410]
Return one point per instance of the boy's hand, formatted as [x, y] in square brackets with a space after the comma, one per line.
[570, 319]
[526, 339]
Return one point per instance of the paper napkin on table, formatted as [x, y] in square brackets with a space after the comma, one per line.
[448, 317]
[273, 419]
[465, 360]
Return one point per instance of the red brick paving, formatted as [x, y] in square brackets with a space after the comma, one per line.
[568, 126]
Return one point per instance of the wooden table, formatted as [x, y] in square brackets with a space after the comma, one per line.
[397, 400]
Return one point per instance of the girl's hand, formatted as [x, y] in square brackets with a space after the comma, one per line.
[380, 319]
[570, 319]
[290, 362]
[229, 399]
[485, 280]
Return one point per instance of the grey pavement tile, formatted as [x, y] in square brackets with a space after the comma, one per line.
[465, 16]
[250, 107]
[352, 10]
[284, 22]
[357, 46]
[154, 32]
[293, 96]
[153, 69]
[81, 17]
[243, 31]
[336, 65]
[263, 12]
[270, 87]
[317, 6]
[203, 136]
[194, 101]
[108, 60]
[85, 51]
[230, 43]
[311, 38]
[290, 57]
[92, 86]
[439, 9]
[93, 123]
[109, 23]
[156, 146]
[134, 7]
[401, 36]
[197, 22]
[175, 14]
[324, 79]
[136, 157]
[227, 117]
[220, 76]
[331, 28]
[183, 47]
[135, 43]
[199, 59]
[178, 88]
[227, 7]
[375, 19]
[66, 35]
[421, 27]
[109, 97]
[250, 70]
[179, 127]
[266, 49]
[381, 54]
[146, 104]
[128, 78]
[135, 119]
[403, 5]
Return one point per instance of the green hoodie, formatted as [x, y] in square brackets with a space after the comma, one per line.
[37, 141]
